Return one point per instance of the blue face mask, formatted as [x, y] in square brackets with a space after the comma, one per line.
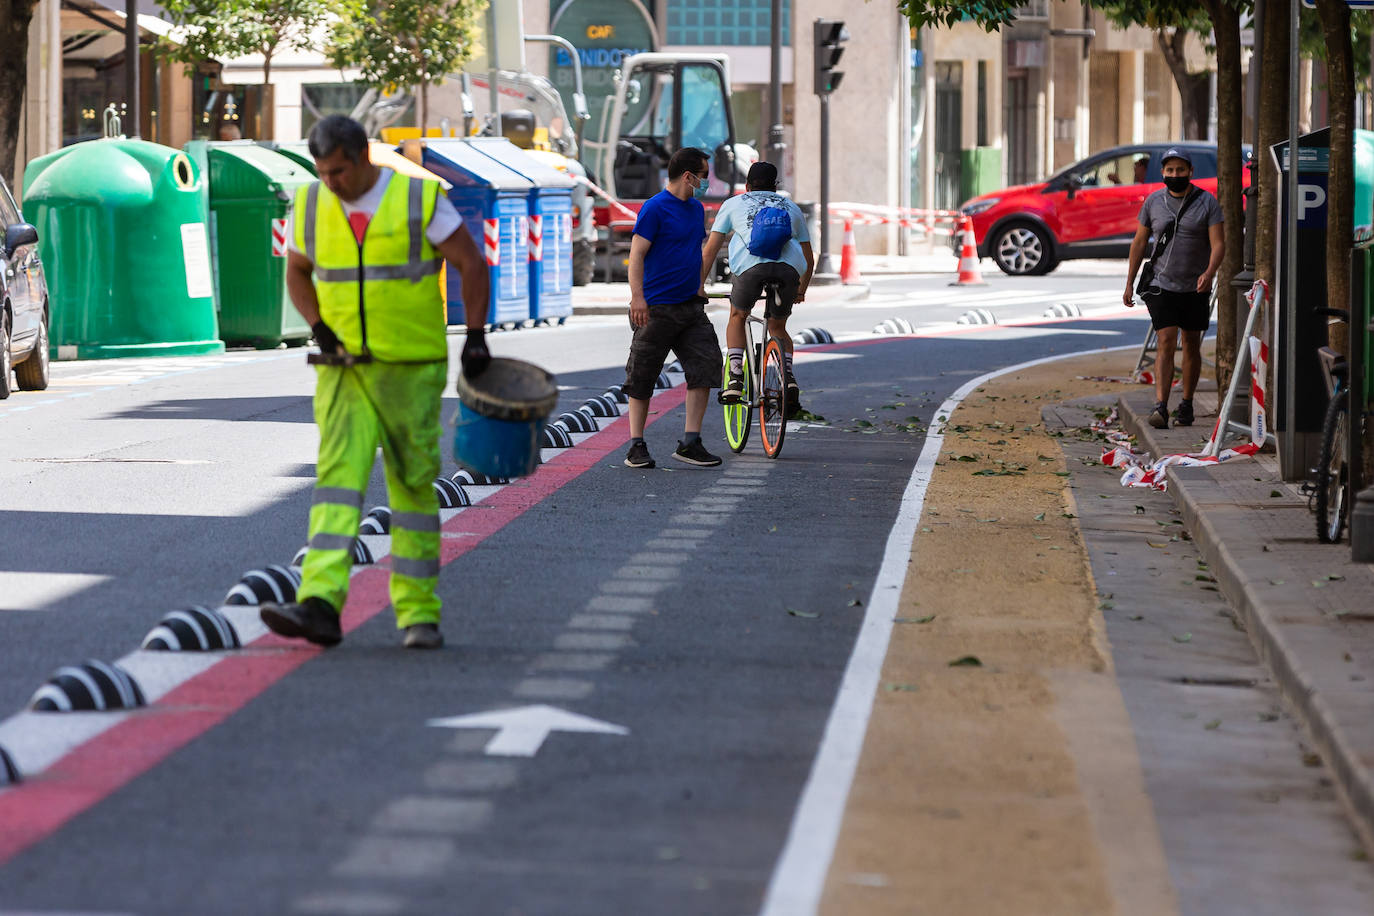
[699, 190]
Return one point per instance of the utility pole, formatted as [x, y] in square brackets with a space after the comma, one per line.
[776, 147]
[830, 36]
[131, 64]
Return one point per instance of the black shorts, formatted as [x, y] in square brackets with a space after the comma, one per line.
[748, 286]
[1187, 311]
[686, 331]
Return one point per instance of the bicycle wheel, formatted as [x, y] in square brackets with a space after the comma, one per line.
[772, 406]
[1331, 471]
[739, 417]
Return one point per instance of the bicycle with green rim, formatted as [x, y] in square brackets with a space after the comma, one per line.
[765, 388]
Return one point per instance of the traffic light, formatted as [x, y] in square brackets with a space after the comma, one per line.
[830, 38]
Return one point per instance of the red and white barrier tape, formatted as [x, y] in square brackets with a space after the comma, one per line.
[605, 195]
[1140, 471]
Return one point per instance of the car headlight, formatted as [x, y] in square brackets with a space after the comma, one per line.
[979, 206]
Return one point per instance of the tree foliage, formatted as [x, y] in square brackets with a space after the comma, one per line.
[990, 14]
[218, 29]
[406, 44]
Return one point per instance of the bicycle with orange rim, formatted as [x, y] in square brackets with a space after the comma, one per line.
[765, 387]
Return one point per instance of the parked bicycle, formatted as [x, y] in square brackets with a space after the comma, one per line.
[1330, 478]
[765, 386]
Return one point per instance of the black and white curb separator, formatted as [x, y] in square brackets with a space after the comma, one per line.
[575, 421]
[555, 436]
[451, 494]
[813, 336]
[615, 392]
[192, 629]
[893, 326]
[9, 770]
[91, 686]
[378, 520]
[1063, 310]
[663, 381]
[271, 583]
[603, 405]
[469, 478]
[977, 316]
[362, 554]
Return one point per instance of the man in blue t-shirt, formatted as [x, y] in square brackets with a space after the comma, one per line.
[769, 241]
[666, 311]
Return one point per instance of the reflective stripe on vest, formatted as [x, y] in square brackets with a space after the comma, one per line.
[406, 314]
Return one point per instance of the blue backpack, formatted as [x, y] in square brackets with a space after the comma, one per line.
[771, 229]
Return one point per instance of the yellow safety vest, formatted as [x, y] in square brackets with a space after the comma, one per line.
[398, 268]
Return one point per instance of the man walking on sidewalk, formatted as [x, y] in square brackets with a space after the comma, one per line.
[667, 310]
[1186, 223]
[373, 241]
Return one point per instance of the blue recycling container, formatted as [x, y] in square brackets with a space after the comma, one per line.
[493, 201]
[550, 241]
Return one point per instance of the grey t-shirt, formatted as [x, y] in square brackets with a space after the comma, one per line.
[1186, 256]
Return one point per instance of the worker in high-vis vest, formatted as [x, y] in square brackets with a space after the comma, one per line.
[365, 249]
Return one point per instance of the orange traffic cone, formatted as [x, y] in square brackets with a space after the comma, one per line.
[968, 259]
[849, 259]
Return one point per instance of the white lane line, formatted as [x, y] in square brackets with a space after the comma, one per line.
[799, 877]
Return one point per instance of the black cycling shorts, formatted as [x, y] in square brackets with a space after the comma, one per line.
[1187, 311]
[686, 331]
[748, 286]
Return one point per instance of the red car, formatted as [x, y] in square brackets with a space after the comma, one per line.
[1086, 210]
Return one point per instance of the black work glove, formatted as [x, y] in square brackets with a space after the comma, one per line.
[326, 338]
[476, 357]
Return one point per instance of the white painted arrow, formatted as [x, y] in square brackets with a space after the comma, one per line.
[521, 731]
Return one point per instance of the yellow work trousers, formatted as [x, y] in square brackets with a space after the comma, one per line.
[357, 408]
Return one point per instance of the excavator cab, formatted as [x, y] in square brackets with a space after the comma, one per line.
[663, 103]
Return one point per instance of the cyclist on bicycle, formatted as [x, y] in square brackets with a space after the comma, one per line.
[770, 242]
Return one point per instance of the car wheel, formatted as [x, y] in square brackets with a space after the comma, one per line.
[32, 373]
[1023, 250]
[584, 261]
[5, 360]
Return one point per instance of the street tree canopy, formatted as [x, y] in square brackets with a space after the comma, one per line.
[406, 44]
[990, 14]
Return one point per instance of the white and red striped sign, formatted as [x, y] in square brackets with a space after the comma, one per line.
[279, 238]
[536, 238]
[491, 235]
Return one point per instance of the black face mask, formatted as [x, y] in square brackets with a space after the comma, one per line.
[1177, 183]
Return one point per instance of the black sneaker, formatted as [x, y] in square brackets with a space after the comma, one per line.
[638, 456]
[791, 398]
[1184, 415]
[733, 392]
[313, 619]
[695, 454]
[424, 636]
[1159, 417]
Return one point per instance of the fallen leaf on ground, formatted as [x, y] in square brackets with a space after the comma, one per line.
[967, 661]
[795, 613]
[1213, 725]
[1186, 637]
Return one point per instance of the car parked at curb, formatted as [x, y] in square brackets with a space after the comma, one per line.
[23, 302]
[1086, 210]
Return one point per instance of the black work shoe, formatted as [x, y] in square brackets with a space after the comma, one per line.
[1184, 415]
[424, 636]
[791, 402]
[638, 456]
[1159, 417]
[733, 392]
[695, 454]
[313, 619]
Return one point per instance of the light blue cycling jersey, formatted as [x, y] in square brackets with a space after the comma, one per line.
[737, 215]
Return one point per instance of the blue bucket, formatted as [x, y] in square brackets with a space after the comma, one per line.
[501, 417]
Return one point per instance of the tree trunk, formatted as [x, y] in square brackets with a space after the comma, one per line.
[1226, 28]
[423, 114]
[15, 16]
[1340, 190]
[265, 113]
[1192, 87]
[1273, 128]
